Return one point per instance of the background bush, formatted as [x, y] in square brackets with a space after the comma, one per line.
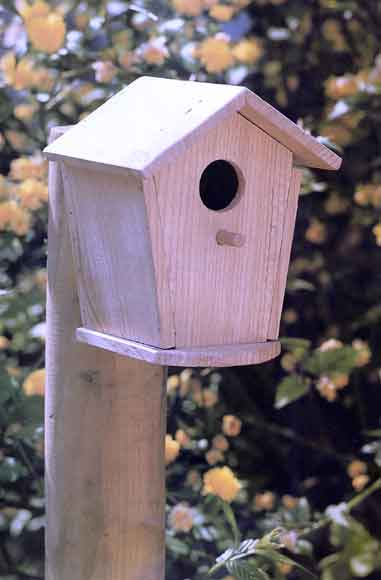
[301, 433]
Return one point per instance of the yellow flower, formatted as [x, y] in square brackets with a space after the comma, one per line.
[248, 51]
[25, 111]
[213, 456]
[172, 449]
[288, 361]
[220, 442]
[284, 568]
[47, 33]
[332, 32]
[356, 468]
[335, 204]
[290, 502]
[182, 438]
[292, 82]
[364, 353]
[327, 388]
[20, 75]
[44, 79]
[193, 478]
[34, 384]
[172, 383]
[126, 59]
[29, 11]
[41, 279]
[316, 233]
[231, 425]
[13, 371]
[3, 187]
[366, 194]
[222, 12]
[17, 139]
[215, 54]
[375, 196]
[14, 218]
[209, 398]
[360, 482]
[155, 52]
[105, 71]
[330, 344]
[32, 193]
[8, 66]
[4, 342]
[25, 167]
[221, 481]
[181, 518]
[82, 20]
[265, 500]
[337, 134]
[188, 7]
[377, 233]
[290, 316]
[340, 380]
[341, 87]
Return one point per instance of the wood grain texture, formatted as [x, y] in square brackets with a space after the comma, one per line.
[222, 294]
[154, 120]
[284, 257]
[112, 252]
[104, 465]
[210, 356]
[308, 152]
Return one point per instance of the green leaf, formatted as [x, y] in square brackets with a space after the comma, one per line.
[7, 387]
[261, 574]
[177, 546]
[362, 564]
[299, 284]
[338, 360]
[278, 558]
[373, 433]
[11, 470]
[289, 390]
[239, 570]
[229, 514]
[292, 343]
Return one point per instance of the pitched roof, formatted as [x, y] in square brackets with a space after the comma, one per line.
[153, 119]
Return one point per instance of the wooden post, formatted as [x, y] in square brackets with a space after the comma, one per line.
[105, 423]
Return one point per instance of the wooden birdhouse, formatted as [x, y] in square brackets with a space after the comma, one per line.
[182, 199]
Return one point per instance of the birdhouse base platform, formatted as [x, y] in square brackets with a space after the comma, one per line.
[207, 356]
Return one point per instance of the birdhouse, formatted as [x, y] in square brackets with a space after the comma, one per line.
[182, 199]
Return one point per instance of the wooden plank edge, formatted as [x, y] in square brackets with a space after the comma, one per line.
[308, 151]
[208, 356]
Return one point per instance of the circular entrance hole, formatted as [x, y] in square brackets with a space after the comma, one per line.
[219, 185]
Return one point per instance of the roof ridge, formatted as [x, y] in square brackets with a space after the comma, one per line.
[154, 118]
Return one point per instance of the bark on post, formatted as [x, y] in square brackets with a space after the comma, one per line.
[105, 422]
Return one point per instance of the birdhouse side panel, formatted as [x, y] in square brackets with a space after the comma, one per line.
[221, 293]
[112, 252]
[285, 253]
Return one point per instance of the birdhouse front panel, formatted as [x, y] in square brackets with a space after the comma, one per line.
[234, 181]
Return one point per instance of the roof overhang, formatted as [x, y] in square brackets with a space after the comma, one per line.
[154, 120]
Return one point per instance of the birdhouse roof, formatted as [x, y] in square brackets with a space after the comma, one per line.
[154, 119]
